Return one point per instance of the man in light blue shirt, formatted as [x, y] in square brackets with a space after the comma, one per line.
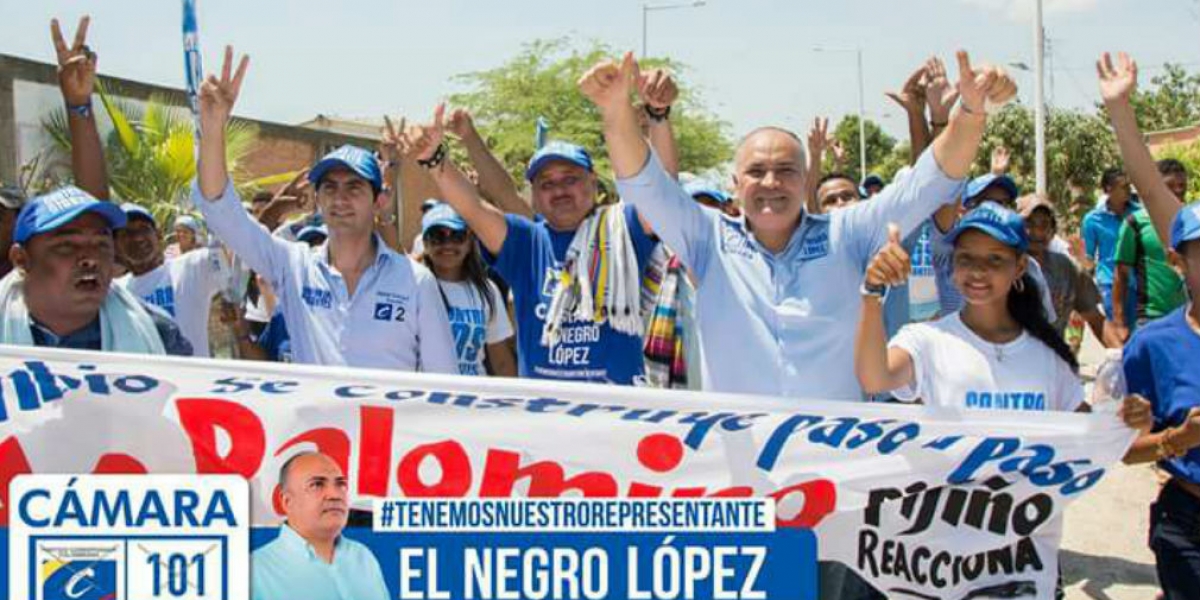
[352, 301]
[777, 289]
[1101, 228]
[311, 559]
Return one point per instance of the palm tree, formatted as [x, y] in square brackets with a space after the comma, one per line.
[151, 152]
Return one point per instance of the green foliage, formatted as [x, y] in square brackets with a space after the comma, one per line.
[1172, 100]
[880, 146]
[150, 152]
[541, 82]
[1079, 146]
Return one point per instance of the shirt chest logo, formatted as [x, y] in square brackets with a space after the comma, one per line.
[814, 247]
[391, 307]
[317, 297]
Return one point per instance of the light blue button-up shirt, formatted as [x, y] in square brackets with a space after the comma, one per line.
[394, 320]
[289, 569]
[783, 324]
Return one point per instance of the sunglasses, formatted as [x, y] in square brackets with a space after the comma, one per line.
[442, 235]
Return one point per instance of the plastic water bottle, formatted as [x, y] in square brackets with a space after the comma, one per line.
[1109, 389]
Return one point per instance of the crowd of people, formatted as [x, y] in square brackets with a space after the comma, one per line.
[789, 282]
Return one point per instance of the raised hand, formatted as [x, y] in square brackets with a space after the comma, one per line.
[420, 142]
[657, 89]
[1117, 81]
[76, 64]
[981, 85]
[911, 97]
[891, 264]
[1000, 160]
[460, 124]
[818, 138]
[218, 96]
[609, 84]
[939, 94]
[839, 154]
[389, 143]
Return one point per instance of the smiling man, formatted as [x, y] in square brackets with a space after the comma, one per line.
[310, 558]
[778, 285]
[60, 293]
[352, 300]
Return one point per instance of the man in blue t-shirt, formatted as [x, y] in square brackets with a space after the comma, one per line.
[1101, 228]
[529, 255]
[1162, 363]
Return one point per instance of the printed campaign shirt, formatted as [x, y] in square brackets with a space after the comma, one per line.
[474, 323]
[184, 288]
[955, 368]
[395, 318]
[530, 261]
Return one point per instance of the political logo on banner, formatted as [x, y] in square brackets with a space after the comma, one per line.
[917, 501]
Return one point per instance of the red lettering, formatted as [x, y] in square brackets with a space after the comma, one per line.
[820, 497]
[375, 451]
[12, 463]
[546, 480]
[455, 478]
[201, 417]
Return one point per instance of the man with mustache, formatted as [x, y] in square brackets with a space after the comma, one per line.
[183, 287]
[778, 288]
[60, 293]
[310, 558]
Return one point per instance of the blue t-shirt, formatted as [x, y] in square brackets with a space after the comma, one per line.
[530, 262]
[1162, 363]
[1100, 228]
[275, 339]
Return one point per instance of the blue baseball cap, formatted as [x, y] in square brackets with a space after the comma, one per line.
[552, 151]
[137, 211]
[1186, 227]
[358, 161]
[442, 215]
[700, 187]
[307, 234]
[1006, 226]
[51, 211]
[428, 204]
[983, 182]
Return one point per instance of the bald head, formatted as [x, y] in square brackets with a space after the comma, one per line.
[770, 136]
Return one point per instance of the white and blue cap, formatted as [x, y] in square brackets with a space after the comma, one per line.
[983, 182]
[312, 233]
[189, 222]
[137, 211]
[360, 162]
[561, 151]
[51, 211]
[700, 187]
[1186, 227]
[442, 215]
[1006, 226]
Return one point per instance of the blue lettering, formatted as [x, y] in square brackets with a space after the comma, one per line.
[23, 508]
[988, 450]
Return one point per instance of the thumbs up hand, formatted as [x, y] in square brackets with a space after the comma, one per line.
[891, 264]
[609, 84]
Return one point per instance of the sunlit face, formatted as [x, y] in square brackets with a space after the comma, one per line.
[985, 269]
[1187, 261]
[564, 193]
[315, 496]
[69, 270]
[769, 180]
[348, 202]
[186, 238]
[1120, 190]
[837, 193]
[447, 248]
[139, 246]
[1040, 229]
[1178, 184]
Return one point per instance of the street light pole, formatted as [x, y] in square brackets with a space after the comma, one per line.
[646, 8]
[1039, 92]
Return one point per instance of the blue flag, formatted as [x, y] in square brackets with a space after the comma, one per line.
[191, 59]
[543, 129]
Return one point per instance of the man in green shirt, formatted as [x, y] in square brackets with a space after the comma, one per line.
[1140, 255]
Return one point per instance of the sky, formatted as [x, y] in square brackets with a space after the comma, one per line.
[753, 61]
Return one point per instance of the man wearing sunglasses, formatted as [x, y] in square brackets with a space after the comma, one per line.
[351, 301]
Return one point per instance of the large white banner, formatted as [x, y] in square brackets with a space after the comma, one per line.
[921, 503]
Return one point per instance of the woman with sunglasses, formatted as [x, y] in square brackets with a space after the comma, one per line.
[478, 318]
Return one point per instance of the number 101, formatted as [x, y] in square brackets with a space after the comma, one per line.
[177, 568]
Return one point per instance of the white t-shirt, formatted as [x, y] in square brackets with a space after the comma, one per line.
[955, 368]
[473, 324]
[184, 287]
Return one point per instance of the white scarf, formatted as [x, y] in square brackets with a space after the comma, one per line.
[603, 242]
[125, 326]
